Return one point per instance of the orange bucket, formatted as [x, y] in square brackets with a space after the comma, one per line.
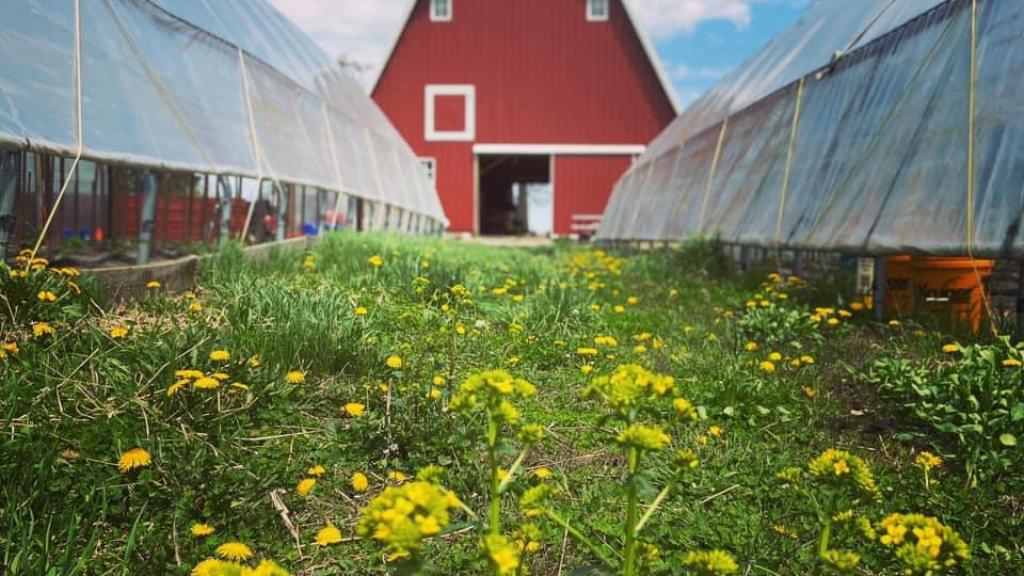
[952, 289]
[899, 297]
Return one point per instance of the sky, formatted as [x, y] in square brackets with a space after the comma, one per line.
[698, 41]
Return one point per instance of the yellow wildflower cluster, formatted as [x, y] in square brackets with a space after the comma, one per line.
[710, 562]
[842, 561]
[400, 517]
[492, 389]
[501, 553]
[628, 386]
[643, 437]
[922, 543]
[839, 467]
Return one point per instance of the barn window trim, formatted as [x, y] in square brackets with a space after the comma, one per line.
[597, 10]
[439, 15]
[468, 132]
[429, 164]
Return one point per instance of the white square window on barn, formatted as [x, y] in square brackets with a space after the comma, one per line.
[430, 167]
[597, 10]
[441, 10]
[449, 113]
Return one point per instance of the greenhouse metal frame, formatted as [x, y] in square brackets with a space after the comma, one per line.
[873, 127]
[131, 110]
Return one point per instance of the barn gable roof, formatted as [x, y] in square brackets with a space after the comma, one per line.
[648, 46]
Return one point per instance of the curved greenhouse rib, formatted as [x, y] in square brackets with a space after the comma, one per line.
[886, 155]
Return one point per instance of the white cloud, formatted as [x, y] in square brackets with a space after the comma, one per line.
[666, 18]
[358, 29]
[363, 29]
[684, 72]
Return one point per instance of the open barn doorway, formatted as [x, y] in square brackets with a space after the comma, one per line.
[516, 195]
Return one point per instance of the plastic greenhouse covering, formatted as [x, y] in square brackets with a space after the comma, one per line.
[210, 86]
[850, 131]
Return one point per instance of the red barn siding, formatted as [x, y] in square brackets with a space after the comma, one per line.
[583, 185]
[542, 73]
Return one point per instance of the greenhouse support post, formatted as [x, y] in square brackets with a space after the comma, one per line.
[8, 192]
[226, 193]
[147, 216]
[878, 298]
[282, 209]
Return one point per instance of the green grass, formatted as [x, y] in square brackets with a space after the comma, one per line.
[72, 402]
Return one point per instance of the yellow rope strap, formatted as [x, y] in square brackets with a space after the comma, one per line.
[78, 133]
[789, 163]
[971, 99]
[711, 174]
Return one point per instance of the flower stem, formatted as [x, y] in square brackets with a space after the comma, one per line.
[579, 537]
[629, 550]
[512, 470]
[653, 507]
[494, 516]
[826, 533]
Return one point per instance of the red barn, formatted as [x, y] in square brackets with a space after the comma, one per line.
[526, 112]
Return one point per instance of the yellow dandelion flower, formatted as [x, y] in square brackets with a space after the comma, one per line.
[354, 409]
[632, 300]
[767, 366]
[207, 383]
[927, 460]
[153, 284]
[438, 380]
[305, 486]
[132, 459]
[894, 323]
[118, 332]
[376, 261]
[42, 329]
[234, 551]
[950, 348]
[177, 387]
[316, 471]
[1012, 363]
[359, 482]
[201, 529]
[775, 357]
[195, 307]
[619, 308]
[809, 392]
[328, 535]
[46, 296]
[587, 368]
[394, 362]
[542, 473]
[10, 347]
[295, 377]
[751, 346]
[255, 362]
[715, 431]
[220, 356]
[397, 476]
[434, 394]
[856, 306]
[833, 321]
[220, 376]
[587, 351]
[361, 310]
